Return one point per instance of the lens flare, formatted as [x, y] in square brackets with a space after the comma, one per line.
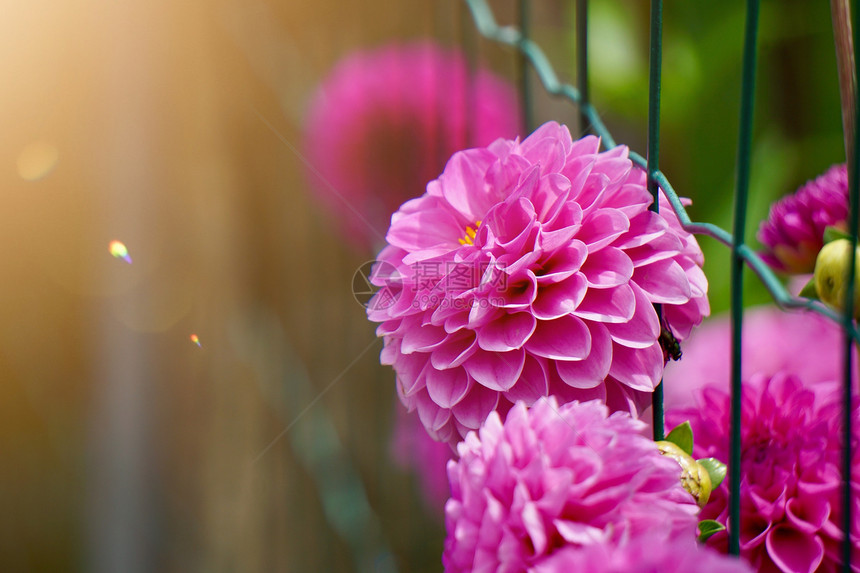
[196, 340]
[119, 251]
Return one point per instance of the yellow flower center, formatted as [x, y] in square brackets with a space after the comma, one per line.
[470, 234]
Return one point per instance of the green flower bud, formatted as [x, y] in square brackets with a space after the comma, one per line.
[694, 476]
[831, 272]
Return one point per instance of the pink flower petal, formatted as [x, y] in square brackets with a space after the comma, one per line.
[644, 228]
[483, 314]
[608, 267]
[559, 299]
[591, 372]
[447, 387]
[509, 332]
[551, 197]
[602, 228]
[513, 224]
[562, 263]
[432, 416]
[639, 368]
[422, 339]
[793, 551]
[533, 383]
[664, 281]
[642, 329]
[565, 338]
[425, 229]
[496, 370]
[410, 372]
[462, 183]
[579, 533]
[608, 305]
[591, 193]
[472, 410]
[535, 527]
[457, 350]
[807, 515]
[664, 247]
[518, 291]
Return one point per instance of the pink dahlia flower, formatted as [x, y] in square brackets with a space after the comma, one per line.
[414, 450]
[773, 341]
[790, 465]
[646, 554]
[385, 121]
[529, 269]
[794, 231]
[555, 476]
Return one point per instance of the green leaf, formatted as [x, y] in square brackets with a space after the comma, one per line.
[682, 436]
[833, 234]
[708, 527]
[716, 471]
[809, 291]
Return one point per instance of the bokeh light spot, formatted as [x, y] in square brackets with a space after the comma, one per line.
[119, 250]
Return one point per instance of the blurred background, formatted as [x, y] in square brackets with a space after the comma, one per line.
[180, 129]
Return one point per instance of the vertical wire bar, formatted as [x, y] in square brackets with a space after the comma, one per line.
[524, 15]
[469, 44]
[582, 63]
[653, 153]
[737, 301]
[848, 323]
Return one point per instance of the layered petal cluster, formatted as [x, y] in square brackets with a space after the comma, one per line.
[794, 231]
[790, 466]
[558, 476]
[528, 269]
[385, 121]
[645, 554]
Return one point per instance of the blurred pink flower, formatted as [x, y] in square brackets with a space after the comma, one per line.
[794, 231]
[555, 476]
[645, 554]
[773, 341]
[385, 121]
[529, 269]
[790, 465]
[414, 450]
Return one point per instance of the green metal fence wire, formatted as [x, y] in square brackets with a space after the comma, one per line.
[737, 270]
[847, 318]
[486, 24]
[742, 255]
[525, 80]
[653, 153]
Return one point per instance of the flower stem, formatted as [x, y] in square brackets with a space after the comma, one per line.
[841, 14]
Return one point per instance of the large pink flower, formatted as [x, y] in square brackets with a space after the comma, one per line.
[790, 466]
[646, 554]
[529, 269]
[794, 231]
[385, 121]
[555, 476]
